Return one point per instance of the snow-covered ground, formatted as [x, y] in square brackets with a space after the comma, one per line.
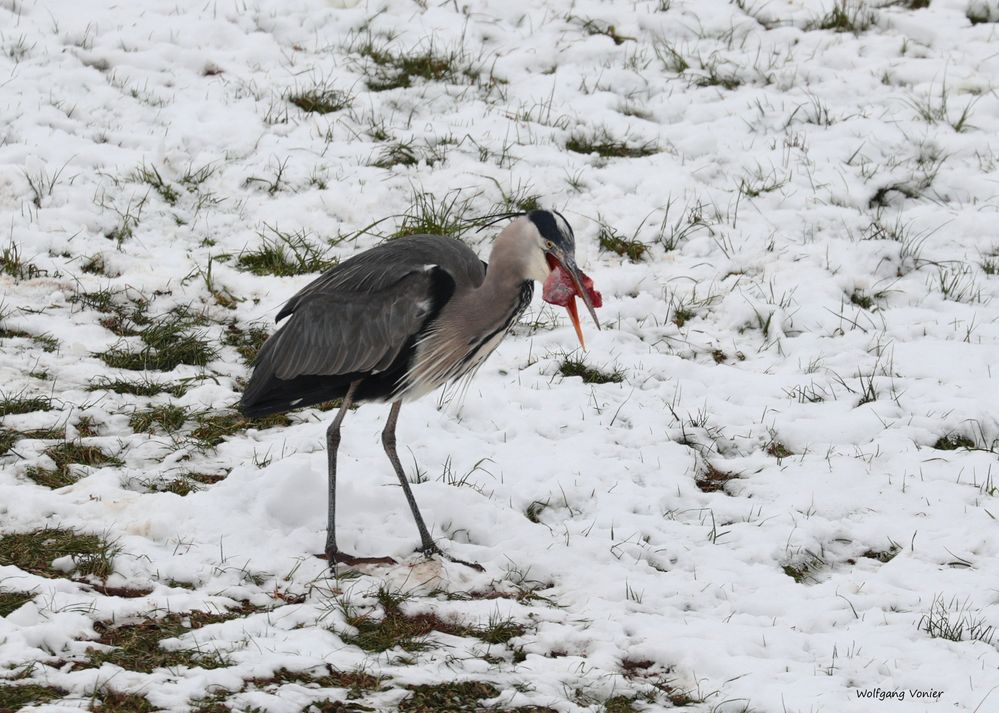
[788, 500]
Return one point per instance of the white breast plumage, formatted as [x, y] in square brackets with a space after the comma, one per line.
[443, 355]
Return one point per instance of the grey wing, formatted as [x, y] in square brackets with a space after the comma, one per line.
[333, 333]
[384, 265]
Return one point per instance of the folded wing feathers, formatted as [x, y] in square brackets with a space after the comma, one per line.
[347, 332]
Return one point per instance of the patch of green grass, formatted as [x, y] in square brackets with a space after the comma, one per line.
[640, 669]
[457, 697]
[397, 70]
[778, 450]
[713, 480]
[46, 342]
[845, 16]
[958, 284]
[430, 215]
[671, 58]
[34, 552]
[151, 175]
[633, 668]
[883, 555]
[398, 153]
[319, 98]
[183, 484]
[407, 153]
[65, 456]
[518, 198]
[109, 701]
[8, 333]
[86, 426]
[121, 324]
[213, 703]
[395, 628]
[685, 307]
[712, 74]
[124, 313]
[50, 478]
[7, 440]
[18, 403]
[329, 706]
[611, 241]
[177, 486]
[602, 143]
[937, 109]
[593, 27]
[213, 427]
[246, 342]
[679, 698]
[276, 182]
[94, 265]
[953, 441]
[220, 293]
[576, 366]
[16, 696]
[141, 387]
[284, 254]
[897, 232]
[169, 341]
[167, 418]
[205, 478]
[9, 437]
[500, 631]
[357, 682]
[11, 263]
[802, 569]
[534, 510]
[124, 230]
[620, 704]
[756, 184]
[862, 299]
[12, 601]
[194, 178]
[955, 621]
[137, 646]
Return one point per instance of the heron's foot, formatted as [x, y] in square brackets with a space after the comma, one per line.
[336, 557]
[430, 549]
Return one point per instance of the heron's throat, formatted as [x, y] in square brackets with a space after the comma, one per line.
[515, 261]
[517, 256]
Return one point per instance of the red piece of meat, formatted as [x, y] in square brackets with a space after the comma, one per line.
[559, 289]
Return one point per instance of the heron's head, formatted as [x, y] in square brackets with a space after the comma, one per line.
[565, 281]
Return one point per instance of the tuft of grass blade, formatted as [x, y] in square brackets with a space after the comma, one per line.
[35, 551]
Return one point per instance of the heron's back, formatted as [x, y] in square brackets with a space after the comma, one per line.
[359, 321]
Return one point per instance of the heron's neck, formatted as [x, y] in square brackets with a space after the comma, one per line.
[514, 260]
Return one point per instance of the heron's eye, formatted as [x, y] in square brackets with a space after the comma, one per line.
[549, 245]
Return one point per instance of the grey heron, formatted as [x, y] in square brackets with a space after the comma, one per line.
[403, 318]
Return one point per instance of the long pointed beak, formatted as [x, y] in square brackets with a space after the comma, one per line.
[577, 280]
[568, 263]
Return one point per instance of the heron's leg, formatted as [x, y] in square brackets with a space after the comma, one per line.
[332, 445]
[388, 440]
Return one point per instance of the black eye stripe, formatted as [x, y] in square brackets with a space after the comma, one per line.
[550, 229]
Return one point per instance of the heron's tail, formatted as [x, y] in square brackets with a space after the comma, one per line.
[266, 394]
